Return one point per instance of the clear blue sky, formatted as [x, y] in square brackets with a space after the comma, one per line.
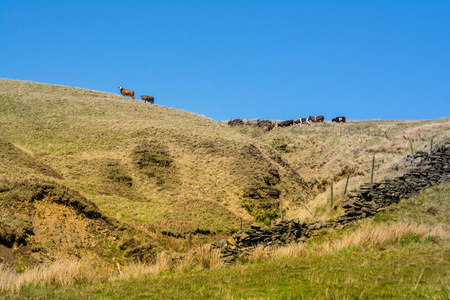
[241, 59]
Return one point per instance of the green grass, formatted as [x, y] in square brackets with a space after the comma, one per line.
[431, 207]
[413, 271]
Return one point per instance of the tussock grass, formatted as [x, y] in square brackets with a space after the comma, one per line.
[71, 272]
[368, 236]
[59, 273]
[202, 258]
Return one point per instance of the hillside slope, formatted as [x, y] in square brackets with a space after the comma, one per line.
[154, 165]
[158, 169]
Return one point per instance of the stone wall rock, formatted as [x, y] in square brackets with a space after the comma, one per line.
[371, 198]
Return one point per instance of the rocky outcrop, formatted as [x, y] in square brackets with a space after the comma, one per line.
[253, 123]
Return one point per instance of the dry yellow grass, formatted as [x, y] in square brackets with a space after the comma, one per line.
[59, 273]
[368, 236]
[70, 272]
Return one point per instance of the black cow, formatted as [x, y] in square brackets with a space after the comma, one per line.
[148, 99]
[285, 123]
[339, 120]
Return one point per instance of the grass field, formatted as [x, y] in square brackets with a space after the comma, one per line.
[162, 173]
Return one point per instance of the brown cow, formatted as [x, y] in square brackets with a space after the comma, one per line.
[318, 119]
[269, 127]
[125, 92]
[148, 99]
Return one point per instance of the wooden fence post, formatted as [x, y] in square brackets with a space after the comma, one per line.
[346, 184]
[431, 145]
[331, 195]
[310, 212]
[190, 240]
[373, 166]
[411, 146]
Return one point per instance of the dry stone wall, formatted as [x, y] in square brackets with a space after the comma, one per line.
[362, 203]
[371, 198]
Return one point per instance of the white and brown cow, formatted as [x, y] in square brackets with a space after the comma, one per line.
[302, 121]
[148, 99]
[125, 92]
[316, 119]
[339, 120]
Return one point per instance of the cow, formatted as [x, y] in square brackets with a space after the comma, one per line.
[302, 121]
[285, 123]
[148, 99]
[269, 127]
[339, 120]
[125, 92]
[317, 119]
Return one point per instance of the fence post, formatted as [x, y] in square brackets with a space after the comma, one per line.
[190, 240]
[309, 211]
[411, 146]
[431, 144]
[346, 184]
[331, 195]
[373, 166]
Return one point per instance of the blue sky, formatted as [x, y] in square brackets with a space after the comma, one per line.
[241, 59]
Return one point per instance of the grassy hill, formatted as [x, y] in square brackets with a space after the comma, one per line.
[92, 174]
[163, 167]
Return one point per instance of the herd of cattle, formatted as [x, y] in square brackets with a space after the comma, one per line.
[300, 121]
[129, 93]
[287, 123]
